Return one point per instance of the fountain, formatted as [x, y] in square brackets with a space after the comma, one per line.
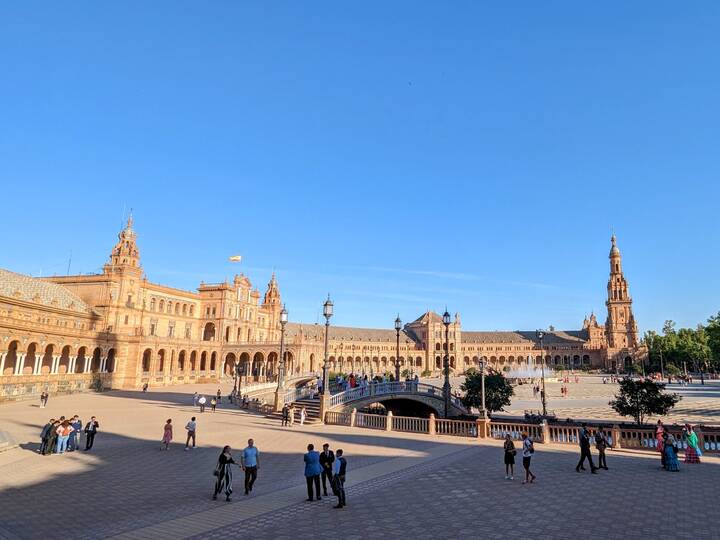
[529, 371]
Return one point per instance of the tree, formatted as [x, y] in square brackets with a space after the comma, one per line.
[497, 390]
[641, 399]
[713, 340]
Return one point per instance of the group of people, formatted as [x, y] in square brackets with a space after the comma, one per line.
[288, 414]
[668, 446]
[201, 401]
[528, 450]
[249, 463]
[327, 466]
[64, 435]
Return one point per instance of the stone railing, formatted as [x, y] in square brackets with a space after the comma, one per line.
[458, 428]
[380, 389]
[337, 418]
[499, 429]
[372, 421]
[410, 424]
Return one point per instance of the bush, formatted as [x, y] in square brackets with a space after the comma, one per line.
[641, 399]
[426, 373]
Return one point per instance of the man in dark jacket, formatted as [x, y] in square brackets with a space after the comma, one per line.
[326, 460]
[339, 478]
[45, 436]
[585, 450]
[91, 429]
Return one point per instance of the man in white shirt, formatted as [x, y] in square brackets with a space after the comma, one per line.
[191, 426]
[202, 402]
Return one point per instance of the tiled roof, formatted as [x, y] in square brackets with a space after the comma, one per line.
[428, 316]
[521, 336]
[342, 333]
[37, 291]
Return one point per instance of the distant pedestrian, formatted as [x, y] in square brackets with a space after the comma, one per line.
[285, 415]
[303, 415]
[195, 399]
[167, 435]
[43, 399]
[584, 437]
[527, 453]
[510, 452]
[45, 435]
[202, 401]
[145, 387]
[312, 472]
[670, 450]
[601, 443]
[338, 478]
[250, 461]
[660, 440]
[223, 474]
[91, 429]
[218, 395]
[213, 404]
[191, 428]
[327, 457]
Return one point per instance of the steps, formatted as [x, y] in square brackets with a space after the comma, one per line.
[312, 408]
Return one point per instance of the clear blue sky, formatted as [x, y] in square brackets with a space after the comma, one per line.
[399, 155]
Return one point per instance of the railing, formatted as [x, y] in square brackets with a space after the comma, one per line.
[400, 387]
[458, 428]
[372, 421]
[410, 424]
[571, 434]
[337, 418]
[711, 442]
[499, 430]
[294, 394]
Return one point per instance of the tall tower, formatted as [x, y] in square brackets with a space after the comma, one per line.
[125, 257]
[620, 328]
[272, 294]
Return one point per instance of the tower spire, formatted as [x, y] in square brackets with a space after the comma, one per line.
[620, 327]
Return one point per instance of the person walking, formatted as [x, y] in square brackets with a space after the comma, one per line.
[43, 399]
[45, 434]
[223, 474]
[145, 387]
[326, 460]
[63, 432]
[195, 399]
[670, 450]
[339, 478]
[167, 435]
[249, 461]
[303, 415]
[312, 472]
[601, 443]
[585, 451]
[692, 452]
[285, 415]
[527, 454]
[191, 428]
[660, 440]
[218, 395]
[213, 404]
[202, 401]
[91, 429]
[509, 447]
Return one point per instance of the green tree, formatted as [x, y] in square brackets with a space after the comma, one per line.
[641, 399]
[713, 341]
[498, 390]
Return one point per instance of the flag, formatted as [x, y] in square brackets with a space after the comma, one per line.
[235, 258]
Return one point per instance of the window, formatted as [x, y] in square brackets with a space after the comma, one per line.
[152, 304]
[214, 310]
[171, 328]
[188, 331]
[126, 319]
[153, 327]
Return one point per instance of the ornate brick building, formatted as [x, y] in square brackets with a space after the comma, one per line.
[118, 329]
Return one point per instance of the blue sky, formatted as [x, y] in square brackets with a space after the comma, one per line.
[399, 155]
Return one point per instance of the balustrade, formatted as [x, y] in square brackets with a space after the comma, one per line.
[499, 430]
[337, 418]
[371, 421]
[458, 428]
[410, 424]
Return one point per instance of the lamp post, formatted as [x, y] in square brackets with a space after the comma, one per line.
[281, 362]
[482, 386]
[540, 335]
[446, 363]
[398, 327]
[327, 313]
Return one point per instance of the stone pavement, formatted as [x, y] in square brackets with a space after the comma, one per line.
[398, 484]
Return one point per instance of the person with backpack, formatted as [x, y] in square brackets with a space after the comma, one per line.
[601, 443]
[527, 454]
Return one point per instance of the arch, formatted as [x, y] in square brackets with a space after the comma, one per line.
[152, 304]
[258, 359]
[213, 361]
[209, 332]
[290, 359]
[193, 361]
[80, 360]
[184, 309]
[244, 363]
[96, 360]
[192, 309]
[11, 358]
[64, 360]
[271, 364]
[229, 365]
[586, 359]
[177, 308]
[169, 307]
[161, 306]
[47, 360]
[182, 356]
[110, 362]
[313, 367]
[557, 360]
[438, 362]
[203, 361]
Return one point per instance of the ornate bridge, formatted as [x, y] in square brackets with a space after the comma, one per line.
[396, 394]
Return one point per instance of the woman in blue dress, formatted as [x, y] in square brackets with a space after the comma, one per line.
[669, 447]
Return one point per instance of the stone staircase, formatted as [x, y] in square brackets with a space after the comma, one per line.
[312, 408]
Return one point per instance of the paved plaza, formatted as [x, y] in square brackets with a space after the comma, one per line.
[399, 485]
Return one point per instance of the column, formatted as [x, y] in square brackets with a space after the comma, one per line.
[38, 365]
[86, 367]
[2, 363]
[20, 363]
[103, 364]
[55, 365]
[71, 364]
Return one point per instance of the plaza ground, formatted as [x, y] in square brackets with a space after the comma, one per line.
[399, 485]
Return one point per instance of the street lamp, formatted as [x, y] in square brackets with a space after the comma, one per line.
[482, 386]
[327, 313]
[281, 363]
[540, 335]
[398, 327]
[446, 363]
